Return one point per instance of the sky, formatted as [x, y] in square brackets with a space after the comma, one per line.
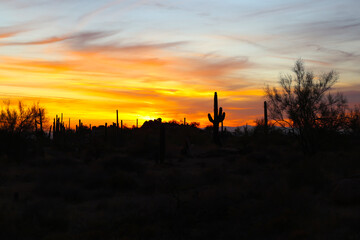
[166, 58]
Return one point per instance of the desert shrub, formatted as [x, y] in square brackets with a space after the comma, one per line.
[22, 118]
[302, 104]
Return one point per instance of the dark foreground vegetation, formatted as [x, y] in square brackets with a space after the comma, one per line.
[256, 186]
[176, 181]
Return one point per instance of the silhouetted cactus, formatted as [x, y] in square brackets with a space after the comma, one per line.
[40, 115]
[117, 118]
[162, 146]
[219, 117]
[106, 131]
[58, 127]
[117, 127]
[35, 124]
[265, 117]
[50, 131]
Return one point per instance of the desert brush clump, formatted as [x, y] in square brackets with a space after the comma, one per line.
[304, 104]
[21, 129]
[22, 119]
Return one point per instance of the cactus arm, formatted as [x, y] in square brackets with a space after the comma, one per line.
[210, 118]
[220, 114]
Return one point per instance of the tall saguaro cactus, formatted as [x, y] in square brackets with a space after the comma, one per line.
[40, 116]
[265, 117]
[162, 147]
[219, 117]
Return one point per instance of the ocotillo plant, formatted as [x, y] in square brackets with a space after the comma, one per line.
[219, 116]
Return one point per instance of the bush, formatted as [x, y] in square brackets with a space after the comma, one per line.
[302, 104]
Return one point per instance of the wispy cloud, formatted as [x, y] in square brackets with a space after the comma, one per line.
[10, 31]
[77, 40]
[280, 9]
[7, 34]
[84, 19]
[338, 30]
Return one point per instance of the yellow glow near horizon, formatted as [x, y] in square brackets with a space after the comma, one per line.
[91, 93]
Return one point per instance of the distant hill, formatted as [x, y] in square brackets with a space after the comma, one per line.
[232, 129]
[250, 128]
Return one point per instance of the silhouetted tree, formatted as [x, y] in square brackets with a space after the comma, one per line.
[22, 118]
[303, 105]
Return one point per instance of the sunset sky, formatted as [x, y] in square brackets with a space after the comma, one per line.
[165, 58]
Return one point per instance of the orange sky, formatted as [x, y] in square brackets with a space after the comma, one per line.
[91, 85]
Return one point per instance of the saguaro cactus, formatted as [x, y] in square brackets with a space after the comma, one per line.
[106, 126]
[57, 127]
[40, 116]
[162, 147]
[265, 117]
[117, 119]
[219, 116]
[50, 131]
